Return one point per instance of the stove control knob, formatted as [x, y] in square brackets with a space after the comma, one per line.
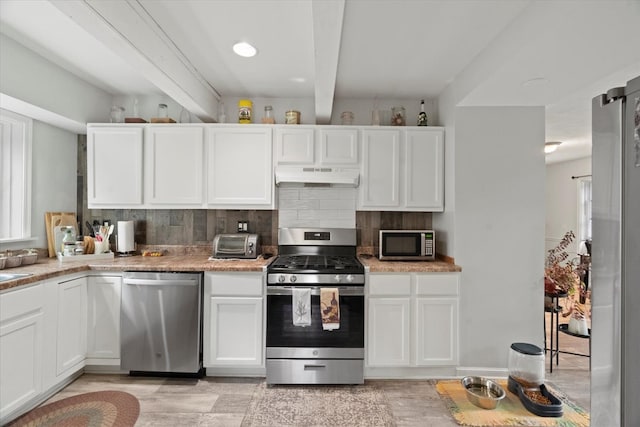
[337, 278]
[293, 278]
[281, 278]
[350, 278]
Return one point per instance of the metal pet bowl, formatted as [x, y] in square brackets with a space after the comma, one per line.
[483, 392]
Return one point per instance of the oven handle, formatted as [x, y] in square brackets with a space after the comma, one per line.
[342, 290]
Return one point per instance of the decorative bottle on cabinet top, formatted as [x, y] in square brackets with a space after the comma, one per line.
[422, 116]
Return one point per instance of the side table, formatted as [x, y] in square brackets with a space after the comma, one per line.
[555, 310]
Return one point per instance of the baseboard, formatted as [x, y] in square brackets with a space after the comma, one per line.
[465, 371]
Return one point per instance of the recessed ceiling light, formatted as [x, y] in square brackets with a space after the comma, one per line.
[298, 79]
[244, 49]
[550, 147]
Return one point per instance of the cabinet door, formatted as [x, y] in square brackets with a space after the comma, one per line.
[294, 146]
[114, 166]
[174, 165]
[436, 331]
[103, 317]
[338, 146]
[21, 349]
[388, 333]
[235, 327]
[72, 324]
[380, 187]
[424, 173]
[239, 168]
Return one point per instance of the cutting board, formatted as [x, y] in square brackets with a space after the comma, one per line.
[57, 219]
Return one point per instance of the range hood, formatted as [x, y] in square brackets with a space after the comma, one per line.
[317, 175]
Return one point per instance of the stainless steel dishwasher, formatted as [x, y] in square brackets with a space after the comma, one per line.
[161, 323]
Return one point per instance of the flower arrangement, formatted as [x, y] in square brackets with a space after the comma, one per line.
[561, 276]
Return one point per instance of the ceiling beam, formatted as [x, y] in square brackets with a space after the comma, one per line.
[127, 28]
[327, 33]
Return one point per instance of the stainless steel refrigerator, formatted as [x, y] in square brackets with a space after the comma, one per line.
[615, 342]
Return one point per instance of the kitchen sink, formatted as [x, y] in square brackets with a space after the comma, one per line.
[12, 276]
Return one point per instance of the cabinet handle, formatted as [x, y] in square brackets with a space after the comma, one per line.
[306, 367]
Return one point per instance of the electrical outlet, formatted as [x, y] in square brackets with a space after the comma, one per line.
[243, 226]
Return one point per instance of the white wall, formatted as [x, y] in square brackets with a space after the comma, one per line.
[562, 200]
[36, 81]
[499, 231]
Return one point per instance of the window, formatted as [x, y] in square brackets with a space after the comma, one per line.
[584, 209]
[15, 176]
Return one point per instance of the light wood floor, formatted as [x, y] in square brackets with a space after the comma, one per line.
[223, 401]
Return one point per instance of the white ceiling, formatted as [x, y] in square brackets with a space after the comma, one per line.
[557, 54]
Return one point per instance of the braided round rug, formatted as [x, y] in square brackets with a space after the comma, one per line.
[97, 409]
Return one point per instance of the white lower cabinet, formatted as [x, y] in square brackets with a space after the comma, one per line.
[21, 348]
[103, 320]
[71, 346]
[389, 332]
[233, 320]
[412, 319]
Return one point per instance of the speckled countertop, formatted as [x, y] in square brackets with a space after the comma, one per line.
[47, 268]
[377, 266]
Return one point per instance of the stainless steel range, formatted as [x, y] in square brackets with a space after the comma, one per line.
[315, 308]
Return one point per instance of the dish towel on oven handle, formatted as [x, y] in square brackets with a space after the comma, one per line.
[330, 308]
[301, 306]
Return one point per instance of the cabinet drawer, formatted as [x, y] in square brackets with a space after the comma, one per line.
[437, 284]
[389, 284]
[20, 302]
[234, 284]
[314, 371]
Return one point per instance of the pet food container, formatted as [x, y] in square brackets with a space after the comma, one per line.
[526, 364]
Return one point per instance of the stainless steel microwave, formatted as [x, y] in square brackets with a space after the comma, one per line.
[407, 245]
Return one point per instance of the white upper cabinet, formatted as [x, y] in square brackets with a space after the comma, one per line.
[424, 160]
[338, 146]
[239, 167]
[316, 145]
[114, 166]
[173, 158]
[295, 145]
[380, 181]
[402, 169]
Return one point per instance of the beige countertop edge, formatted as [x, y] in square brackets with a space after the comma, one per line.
[377, 266]
[50, 268]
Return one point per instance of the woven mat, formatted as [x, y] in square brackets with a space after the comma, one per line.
[510, 411]
[351, 406]
[97, 409]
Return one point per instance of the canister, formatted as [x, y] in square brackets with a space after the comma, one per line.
[526, 364]
[244, 111]
[292, 117]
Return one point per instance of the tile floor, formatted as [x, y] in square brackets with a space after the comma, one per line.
[215, 401]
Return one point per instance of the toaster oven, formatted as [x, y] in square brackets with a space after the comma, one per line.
[236, 245]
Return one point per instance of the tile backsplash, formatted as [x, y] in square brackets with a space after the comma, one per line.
[298, 206]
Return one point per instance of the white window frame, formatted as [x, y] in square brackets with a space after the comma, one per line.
[15, 176]
[585, 209]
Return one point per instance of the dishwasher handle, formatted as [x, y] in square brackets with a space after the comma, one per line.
[156, 282]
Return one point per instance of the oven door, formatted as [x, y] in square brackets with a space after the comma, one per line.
[282, 334]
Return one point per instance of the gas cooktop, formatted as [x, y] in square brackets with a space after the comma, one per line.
[316, 264]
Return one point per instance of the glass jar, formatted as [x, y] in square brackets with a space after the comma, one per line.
[244, 111]
[398, 116]
[268, 115]
[526, 364]
[117, 114]
[163, 111]
[347, 118]
[79, 247]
